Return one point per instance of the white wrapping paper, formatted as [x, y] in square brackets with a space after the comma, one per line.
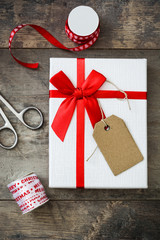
[127, 74]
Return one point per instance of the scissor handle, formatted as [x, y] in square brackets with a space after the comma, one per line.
[21, 117]
[9, 126]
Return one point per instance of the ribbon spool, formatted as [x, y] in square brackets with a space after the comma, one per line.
[82, 27]
[28, 192]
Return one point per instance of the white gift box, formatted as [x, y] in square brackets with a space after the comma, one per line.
[127, 74]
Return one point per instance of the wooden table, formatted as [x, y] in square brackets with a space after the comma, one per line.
[129, 29]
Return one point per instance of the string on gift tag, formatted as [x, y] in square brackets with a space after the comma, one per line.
[117, 146]
[125, 94]
[107, 127]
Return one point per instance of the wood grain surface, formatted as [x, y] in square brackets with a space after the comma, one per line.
[124, 23]
[87, 220]
[129, 29]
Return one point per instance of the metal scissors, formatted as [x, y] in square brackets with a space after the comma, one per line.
[20, 116]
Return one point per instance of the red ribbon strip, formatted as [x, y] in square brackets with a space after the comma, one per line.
[80, 124]
[86, 41]
[105, 94]
[84, 96]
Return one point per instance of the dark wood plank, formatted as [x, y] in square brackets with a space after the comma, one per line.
[23, 87]
[78, 220]
[124, 24]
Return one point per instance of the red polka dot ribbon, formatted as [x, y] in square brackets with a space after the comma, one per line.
[84, 41]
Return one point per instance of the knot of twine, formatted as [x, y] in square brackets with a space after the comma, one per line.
[106, 125]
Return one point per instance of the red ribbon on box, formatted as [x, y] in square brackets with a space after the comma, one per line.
[83, 93]
[84, 96]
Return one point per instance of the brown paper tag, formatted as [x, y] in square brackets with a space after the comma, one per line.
[116, 144]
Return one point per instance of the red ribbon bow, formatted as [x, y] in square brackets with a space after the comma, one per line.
[85, 93]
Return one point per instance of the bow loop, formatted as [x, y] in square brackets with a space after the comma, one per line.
[92, 83]
[62, 83]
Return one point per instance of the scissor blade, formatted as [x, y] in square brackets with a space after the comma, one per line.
[6, 121]
[8, 105]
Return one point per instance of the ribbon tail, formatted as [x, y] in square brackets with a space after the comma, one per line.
[28, 65]
[50, 38]
[93, 110]
[63, 117]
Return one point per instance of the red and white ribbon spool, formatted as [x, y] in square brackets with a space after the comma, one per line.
[82, 27]
[28, 192]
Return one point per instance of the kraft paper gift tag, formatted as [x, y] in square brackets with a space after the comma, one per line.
[116, 144]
